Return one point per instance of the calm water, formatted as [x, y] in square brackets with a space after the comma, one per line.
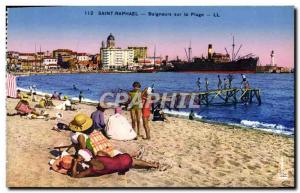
[276, 113]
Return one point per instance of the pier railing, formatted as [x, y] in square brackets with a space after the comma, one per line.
[228, 96]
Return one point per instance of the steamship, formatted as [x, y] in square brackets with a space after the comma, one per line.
[217, 62]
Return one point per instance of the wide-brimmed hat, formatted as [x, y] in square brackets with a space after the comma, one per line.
[24, 97]
[81, 122]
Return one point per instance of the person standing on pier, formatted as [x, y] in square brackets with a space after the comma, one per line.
[225, 83]
[243, 77]
[219, 83]
[198, 83]
[230, 78]
[206, 83]
[244, 80]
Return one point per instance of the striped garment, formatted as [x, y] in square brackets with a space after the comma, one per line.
[11, 86]
[100, 142]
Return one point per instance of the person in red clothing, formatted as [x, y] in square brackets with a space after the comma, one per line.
[104, 164]
[146, 100]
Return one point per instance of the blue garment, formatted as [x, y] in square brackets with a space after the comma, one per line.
[98, 120]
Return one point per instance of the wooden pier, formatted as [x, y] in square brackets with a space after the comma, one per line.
[228, 96]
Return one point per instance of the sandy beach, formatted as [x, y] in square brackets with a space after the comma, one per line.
[201, 155]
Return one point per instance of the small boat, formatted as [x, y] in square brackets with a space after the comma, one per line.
[147, 70]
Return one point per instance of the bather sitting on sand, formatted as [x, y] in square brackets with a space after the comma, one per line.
[104, 164]
[158, 114]
[66, 105]
[45, 102]
[118, 127]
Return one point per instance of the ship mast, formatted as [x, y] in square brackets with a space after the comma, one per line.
[154, 56]
[232, 57]
[190, 50]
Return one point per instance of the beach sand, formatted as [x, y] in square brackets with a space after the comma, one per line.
[201, 155]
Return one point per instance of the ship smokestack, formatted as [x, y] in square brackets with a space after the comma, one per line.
[273, 58]
[210, 51]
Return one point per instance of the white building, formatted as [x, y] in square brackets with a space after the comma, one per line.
[50, 63]
[27, 56]
[114, 58]
[83, 57]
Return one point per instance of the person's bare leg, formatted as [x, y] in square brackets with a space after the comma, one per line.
[140, 164]
[138, 120]
[133, 119]
[146, 127]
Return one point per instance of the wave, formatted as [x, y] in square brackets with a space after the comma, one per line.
[181, 113]
[268, 127]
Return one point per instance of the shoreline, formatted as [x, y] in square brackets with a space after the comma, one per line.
[234, 126]
[239, 125]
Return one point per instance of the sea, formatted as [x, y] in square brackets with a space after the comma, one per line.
[276, 113]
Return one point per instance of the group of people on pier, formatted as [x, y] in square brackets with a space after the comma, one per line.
[226, 84]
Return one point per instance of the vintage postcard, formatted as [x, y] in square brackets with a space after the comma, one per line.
[150, 96]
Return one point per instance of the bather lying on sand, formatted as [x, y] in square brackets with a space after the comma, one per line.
[104, 164]
[23, 109]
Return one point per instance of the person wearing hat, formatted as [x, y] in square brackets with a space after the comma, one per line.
[81, 126]
[98, 118]
[85, 136]
[102, 165]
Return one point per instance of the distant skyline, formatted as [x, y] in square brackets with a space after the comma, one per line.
[258, 29]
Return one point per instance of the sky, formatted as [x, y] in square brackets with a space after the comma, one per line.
[258, 29]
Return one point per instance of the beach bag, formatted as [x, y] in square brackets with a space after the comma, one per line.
[119, 128]
[98, 142]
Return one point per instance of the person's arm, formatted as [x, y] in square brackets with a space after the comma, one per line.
[81, 142]
[55, 167]
[102, 121]
[76, 174]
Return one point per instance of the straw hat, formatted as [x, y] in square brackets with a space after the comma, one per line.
[81, 122]
[25, 97]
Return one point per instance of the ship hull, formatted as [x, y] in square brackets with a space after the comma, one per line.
[239, 66]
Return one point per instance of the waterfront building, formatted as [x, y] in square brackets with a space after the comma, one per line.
[113, 57]
[63, 52]
[12, 59]
[116, 58]
[50, 63]
[27, 56]
[139, 52]
[82, 57]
